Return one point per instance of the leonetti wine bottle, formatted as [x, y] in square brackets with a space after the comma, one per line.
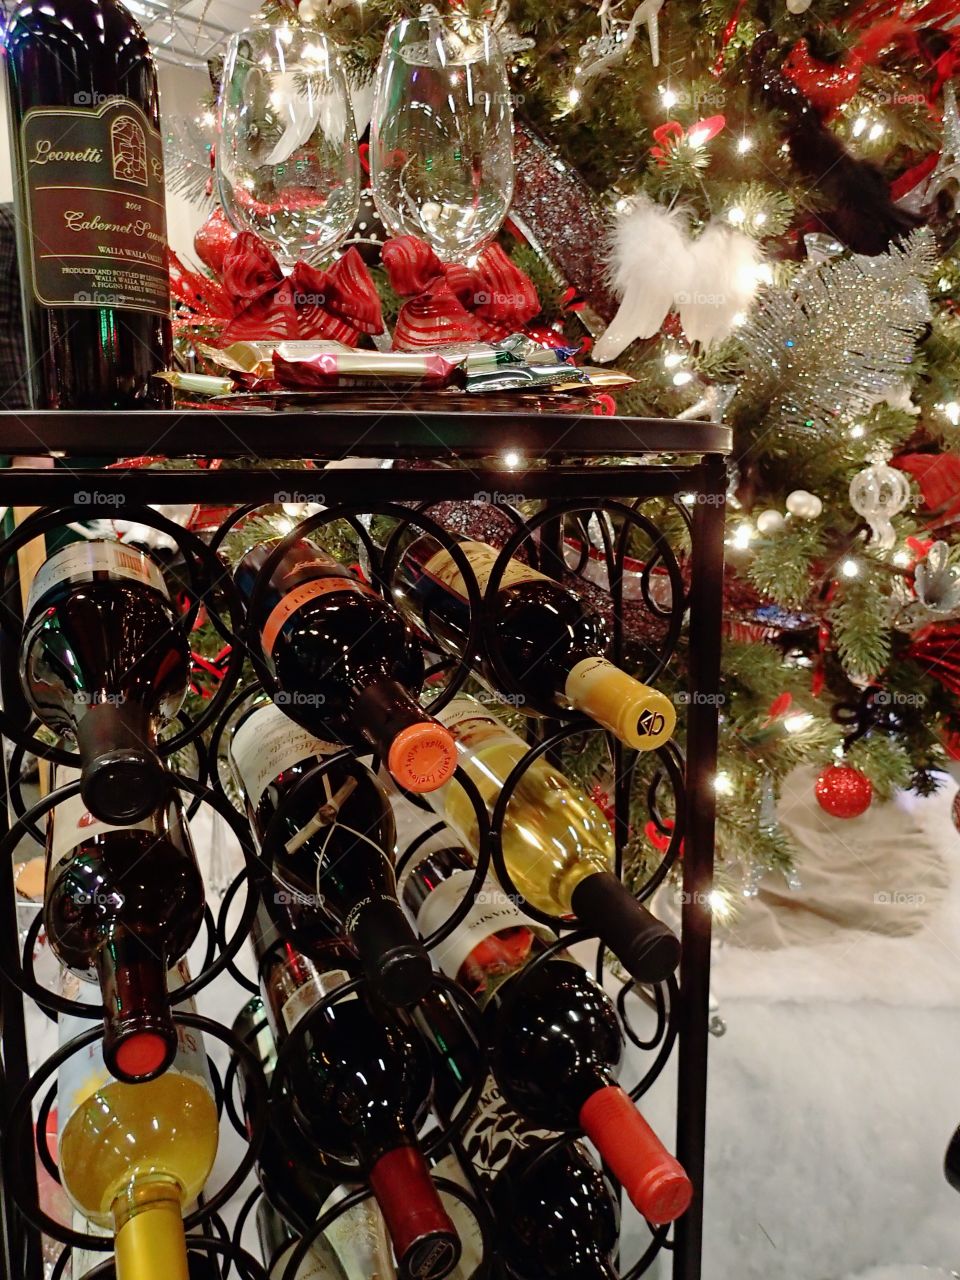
[132, 1155]
[104, 660]
[122, 905]
[88, 179]
[556, 1044]
[550, 639]
[331, 841]
[346, 663]
[557, 843]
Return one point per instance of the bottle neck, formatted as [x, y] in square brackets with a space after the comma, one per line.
[140, 1038]
[420, 753]
[150, 1241]
[122, 778]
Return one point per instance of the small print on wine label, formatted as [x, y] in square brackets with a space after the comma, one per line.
[95, 207]
[294, 601]
[491, 911]
[481, 557]
[82, 561]
[267, 743]
[310, 993]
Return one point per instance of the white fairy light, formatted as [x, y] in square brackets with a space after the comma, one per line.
[876, 131]
[742, 536]
[857, 431]
[511, 459]
[902, 559]
[672, 359]
[759, 218]
[723, 784]
[860, 125]
[850, 569]
[573, 96]
[668, 97]
[951, 410]
[799, 721]
[719, 903]
[736, 215]
[744, 144]
[682, 378]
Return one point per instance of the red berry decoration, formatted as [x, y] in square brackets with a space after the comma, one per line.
[843, 792]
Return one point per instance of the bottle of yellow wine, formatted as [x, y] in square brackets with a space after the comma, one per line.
[131, 1155]
[557, 844]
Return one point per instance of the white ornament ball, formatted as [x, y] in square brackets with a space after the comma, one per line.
[770, 521]
[804, 505]
[798, 6]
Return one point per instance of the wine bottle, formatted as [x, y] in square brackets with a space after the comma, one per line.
[88, 179]
[131, 1155]
[331, 841]
[557, 844]
[345, 662]
[547, 1196]
[549, 637]
[122, 905]
[104, 660]
[555, 1039]
[360, 1090]
[951, 1163]
[294, 1180]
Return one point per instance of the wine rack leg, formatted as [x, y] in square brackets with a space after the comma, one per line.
[21, 1247]
[705, 620]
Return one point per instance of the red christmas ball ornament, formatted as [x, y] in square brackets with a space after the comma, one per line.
[213, 240]
[828, 85]
[843, 792]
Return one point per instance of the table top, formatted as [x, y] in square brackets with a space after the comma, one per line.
[328, 432]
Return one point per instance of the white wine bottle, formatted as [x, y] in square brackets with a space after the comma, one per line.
[557, 844]
[132, 1155]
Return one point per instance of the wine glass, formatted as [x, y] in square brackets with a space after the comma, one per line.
[288, 165]
[441, 139]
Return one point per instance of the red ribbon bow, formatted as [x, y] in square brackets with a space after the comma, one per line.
[455, 303]
[257, 301]
[668, 136]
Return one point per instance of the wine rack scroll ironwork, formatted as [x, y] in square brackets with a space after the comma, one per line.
[587, 517]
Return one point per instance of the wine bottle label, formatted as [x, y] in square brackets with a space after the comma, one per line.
[295, 600]
[496, 1131]
[318, 985]
[319, 1264]
[93, 177]
[359, 1239]
[268, 742]
[73, 824]
[492, 911]
[471, 723]
[481, 557]
[85, 1072]
[82, 561]
[462, 1217]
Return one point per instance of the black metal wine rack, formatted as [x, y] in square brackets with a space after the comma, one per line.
[438, 457]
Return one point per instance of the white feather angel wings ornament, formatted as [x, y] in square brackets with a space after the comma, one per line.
[656, 266]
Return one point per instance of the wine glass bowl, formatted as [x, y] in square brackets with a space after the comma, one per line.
[288, 165]
[441, 144]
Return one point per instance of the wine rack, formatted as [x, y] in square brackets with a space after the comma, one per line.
[494, 460]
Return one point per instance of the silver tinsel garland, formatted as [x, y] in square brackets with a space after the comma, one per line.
[840, 335]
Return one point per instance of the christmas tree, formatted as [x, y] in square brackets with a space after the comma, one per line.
[776, 185]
